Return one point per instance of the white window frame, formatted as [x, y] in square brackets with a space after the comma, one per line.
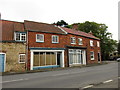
[73, 39]
[92, 55]
[91, 43]
[98, 44]
[20, 36]
[37, 40]
[80, 41]
[19, 58]
[32, 58]
[54, 36]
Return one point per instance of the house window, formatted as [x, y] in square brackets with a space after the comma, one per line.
[73, 40]
[39, 38]
[44, 59]
[92, 55]
[21, 58]
[98, 44]
[20, 36]
[75, 56]
[91, 42]
[80, 41]
[55, 39]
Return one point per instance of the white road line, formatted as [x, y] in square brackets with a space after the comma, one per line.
[13, 80]
[107, 81]
[88, 86]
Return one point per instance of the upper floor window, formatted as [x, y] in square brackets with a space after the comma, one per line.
[55, 39]
[73, 40]
[91, 42]
[21, 58]
[98, 44]
[39, 38]
[92, 55]
[80, 41]
[20, 36]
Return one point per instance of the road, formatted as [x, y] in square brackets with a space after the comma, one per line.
[67, 78]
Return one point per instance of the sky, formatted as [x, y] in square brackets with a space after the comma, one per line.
[71, 11]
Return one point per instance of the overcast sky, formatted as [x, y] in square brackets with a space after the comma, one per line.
[72, 11]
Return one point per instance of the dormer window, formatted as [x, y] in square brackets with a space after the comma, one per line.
[20, 36]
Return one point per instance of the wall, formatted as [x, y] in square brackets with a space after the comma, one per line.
[12, 51]
[64, 40]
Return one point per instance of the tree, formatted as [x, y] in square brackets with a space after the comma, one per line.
[61, 23]
[119, 48]
[100, 31]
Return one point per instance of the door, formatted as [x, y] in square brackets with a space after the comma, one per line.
[2, 64]
[98, 57]
[58, 58]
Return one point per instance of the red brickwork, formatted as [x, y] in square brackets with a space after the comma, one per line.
[64, 40]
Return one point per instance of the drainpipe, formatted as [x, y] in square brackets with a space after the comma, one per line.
[26, 51]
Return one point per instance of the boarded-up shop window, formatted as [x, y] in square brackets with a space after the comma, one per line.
[36, 59]
[44, 58]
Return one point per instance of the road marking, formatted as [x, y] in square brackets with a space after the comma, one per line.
[13, 80]
[88, 86]
[118, 77]
[107, 81]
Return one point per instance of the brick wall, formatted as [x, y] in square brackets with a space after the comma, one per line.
[63, 41]
[12, 51]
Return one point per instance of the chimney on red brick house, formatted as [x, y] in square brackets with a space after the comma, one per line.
[75, 26]
[91, 33]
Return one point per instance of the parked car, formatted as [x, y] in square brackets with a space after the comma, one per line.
[118, 59]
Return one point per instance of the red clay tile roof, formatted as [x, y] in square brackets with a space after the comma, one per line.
[42, 27]
[76, 32]
[8, 28]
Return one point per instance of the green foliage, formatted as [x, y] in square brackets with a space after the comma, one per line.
[108, 45]
[119, 48]
[61, 23]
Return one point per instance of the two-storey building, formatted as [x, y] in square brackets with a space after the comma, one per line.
[33, 45]
[53, 46]
[12, 46]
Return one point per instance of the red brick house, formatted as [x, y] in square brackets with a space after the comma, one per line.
[53, 46]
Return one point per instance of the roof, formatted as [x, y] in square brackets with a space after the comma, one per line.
[76, 32]
[42, 27]
[8, 28]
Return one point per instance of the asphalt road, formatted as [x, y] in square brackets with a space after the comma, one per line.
[68, 78]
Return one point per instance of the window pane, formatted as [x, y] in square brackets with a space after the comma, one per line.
[55, 39]
[17, 36]
[48, 58]
[53, 57]
[80, 41]
[71, 58]
[23, 38]
[36, 59]
[42, 58]
[40, 37]
[22, 58]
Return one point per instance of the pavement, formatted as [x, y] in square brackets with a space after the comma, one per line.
[82, 78]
